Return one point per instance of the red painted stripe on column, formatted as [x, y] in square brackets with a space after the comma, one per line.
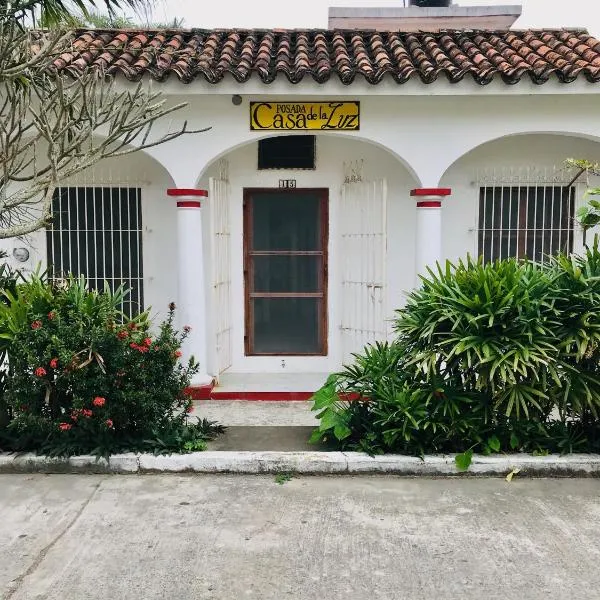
[431, 192]
[429, 204]
[186, 192]
[188, 204]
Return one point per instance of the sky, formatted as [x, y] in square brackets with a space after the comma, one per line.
[313, 13]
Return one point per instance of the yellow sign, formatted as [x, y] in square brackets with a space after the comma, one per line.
[305, 116]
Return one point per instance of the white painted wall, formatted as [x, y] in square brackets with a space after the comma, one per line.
[427, 133]
[414, 135]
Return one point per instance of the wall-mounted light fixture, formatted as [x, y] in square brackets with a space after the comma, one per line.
[236, 99]
[20, 254]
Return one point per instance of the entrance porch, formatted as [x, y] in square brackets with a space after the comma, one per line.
[302, 266]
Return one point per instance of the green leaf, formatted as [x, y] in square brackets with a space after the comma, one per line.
[341, 431]
[329, 419]
[324, 397]
[316, 436]
[463, 461]
[494, 443]
[514, 441]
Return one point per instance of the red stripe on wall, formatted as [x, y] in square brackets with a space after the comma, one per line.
[429, 204]
[186, 192]
[188, 204]
[431, 192]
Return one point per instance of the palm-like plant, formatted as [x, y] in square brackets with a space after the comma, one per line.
[504, 355]
[50, 12]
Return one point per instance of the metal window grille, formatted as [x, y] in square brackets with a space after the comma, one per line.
[525, 221]
[97, 232]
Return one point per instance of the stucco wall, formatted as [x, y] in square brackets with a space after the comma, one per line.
[429, 140]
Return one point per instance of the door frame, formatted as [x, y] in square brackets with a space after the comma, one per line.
[323, 195]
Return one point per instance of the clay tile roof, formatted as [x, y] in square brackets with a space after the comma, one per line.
[321, 55]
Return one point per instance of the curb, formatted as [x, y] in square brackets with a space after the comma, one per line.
[574, 465]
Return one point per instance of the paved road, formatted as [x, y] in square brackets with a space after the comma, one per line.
[73, 537]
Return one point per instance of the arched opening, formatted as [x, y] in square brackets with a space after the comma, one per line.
[354, 204]
[513, 197]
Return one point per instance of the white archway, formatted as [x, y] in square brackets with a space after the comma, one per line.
[340, 161]
[524, 159]
[224, 150]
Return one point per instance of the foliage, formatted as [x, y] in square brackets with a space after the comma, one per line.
[84, 379]
[8, 282]
[51, 12]
[111, 20]
[497, 357]
[588, 215]
[53, 127]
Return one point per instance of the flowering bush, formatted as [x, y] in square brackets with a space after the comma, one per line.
[83, 378]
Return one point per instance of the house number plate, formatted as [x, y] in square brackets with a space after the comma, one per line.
[287, 183]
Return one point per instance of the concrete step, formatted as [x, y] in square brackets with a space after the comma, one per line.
[270, 438]
[253, 413]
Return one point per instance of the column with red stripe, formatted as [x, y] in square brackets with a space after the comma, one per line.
[191, 292]
[428, 250]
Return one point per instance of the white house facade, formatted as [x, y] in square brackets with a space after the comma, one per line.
[338, 166]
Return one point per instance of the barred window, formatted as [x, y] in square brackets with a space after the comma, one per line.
[525, 221]
[97, 232]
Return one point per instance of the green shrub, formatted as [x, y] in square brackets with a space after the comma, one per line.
[83, 378]
[9, 279]
[497, 357]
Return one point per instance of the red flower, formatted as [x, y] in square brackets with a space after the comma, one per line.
[178, 354]
[122, 334]
[99, 401]
[109, 423]
[86, 412]
[187, 328]
[54, 363]
[75, 414]
[36, 325]
[40, 372]
[131, 326]
[65, 426]
[148, 342]
[51, 315]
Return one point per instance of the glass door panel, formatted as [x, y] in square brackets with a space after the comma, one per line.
[285, 271]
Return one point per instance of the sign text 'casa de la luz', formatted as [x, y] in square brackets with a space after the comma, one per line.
[325, 116]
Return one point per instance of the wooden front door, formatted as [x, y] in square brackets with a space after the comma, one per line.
[285, 271]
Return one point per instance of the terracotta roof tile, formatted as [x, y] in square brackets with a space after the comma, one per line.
[321, 55]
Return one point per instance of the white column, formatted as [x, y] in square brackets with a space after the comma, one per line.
[428, 249]
[191, 303]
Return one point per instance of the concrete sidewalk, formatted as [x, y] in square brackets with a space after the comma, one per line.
[313, 538]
